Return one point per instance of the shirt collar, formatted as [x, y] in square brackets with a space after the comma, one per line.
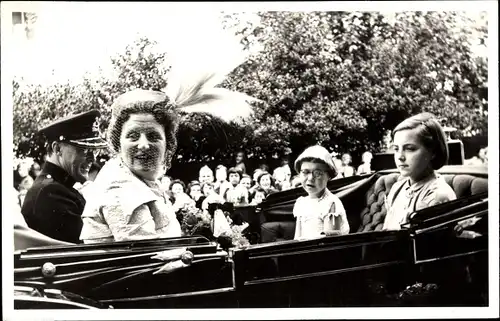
[413, 188]
[51, 170]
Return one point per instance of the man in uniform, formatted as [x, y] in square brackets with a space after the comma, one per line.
[53, 206]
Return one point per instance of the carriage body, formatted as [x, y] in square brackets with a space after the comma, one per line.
[444, 245]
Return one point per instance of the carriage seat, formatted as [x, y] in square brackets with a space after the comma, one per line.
[373, 215]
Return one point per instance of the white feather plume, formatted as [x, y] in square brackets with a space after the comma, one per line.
[200, 64]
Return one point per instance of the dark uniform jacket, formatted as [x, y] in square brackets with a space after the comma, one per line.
[53, 207]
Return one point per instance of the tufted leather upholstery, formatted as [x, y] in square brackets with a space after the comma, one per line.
[466, 185]
[373, 215]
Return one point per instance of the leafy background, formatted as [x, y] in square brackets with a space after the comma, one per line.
[340, 79]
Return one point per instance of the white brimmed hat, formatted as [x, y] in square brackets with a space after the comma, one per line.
[319, 153]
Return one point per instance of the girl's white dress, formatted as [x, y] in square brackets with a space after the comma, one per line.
[312, 214]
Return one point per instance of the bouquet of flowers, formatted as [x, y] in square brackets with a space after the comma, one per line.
[194, 221]
[214, 223]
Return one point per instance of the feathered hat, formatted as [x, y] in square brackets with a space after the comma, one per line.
[191, 86]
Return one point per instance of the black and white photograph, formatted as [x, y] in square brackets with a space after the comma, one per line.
[249, 160]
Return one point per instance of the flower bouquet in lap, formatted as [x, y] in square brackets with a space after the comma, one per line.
[215, 224]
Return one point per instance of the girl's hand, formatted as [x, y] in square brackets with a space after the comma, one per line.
[332, 224]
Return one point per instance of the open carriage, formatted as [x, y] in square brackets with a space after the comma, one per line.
[439, 258]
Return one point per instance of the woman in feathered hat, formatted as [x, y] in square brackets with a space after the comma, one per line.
[128, 202]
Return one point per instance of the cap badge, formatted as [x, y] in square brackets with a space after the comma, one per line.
[95, 126]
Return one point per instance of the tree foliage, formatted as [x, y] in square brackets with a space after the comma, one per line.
[336, 78]
[342, 78]
[36, 105]
[201, 137]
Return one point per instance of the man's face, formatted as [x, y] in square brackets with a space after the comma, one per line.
[76, 161]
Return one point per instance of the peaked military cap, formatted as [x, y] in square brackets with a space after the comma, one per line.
[80, 130]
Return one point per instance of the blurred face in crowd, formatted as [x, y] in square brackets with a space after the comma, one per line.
[265, 181]
[208, 189]
[259, 197]
[346, 159]
[26, 183]
[165, 182]
[74, 160]
[35, 169]
[221, 174]
[367, 157]
[23, 169]
[240, 157]
[177, 189]
[246, 181]
[256, 174]
[234, 178]
[287, 171]
[483, 154]
[412, 158]
[195, 191]
[206, 175]
[387, 140]
[143, 146]
[314, 178]
[279, 175]
[337, 162]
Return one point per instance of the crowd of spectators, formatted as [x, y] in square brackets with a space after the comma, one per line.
[241, 188]
[228, 184]
[222, 183]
